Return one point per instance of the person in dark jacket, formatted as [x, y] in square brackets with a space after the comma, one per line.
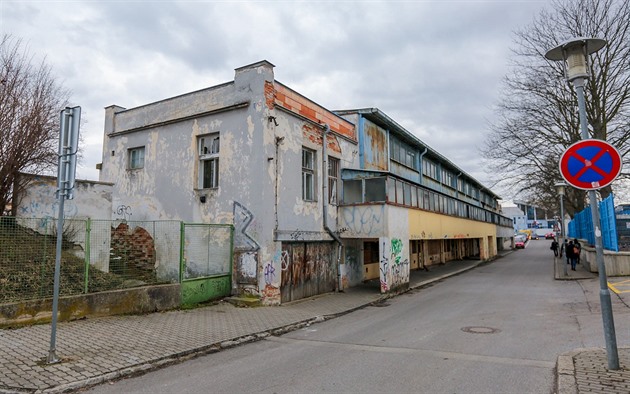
[571, 252]
[554, 247]
[563, 250]
[578, 248]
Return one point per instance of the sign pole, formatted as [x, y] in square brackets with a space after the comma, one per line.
[604, 293]
[68, 145]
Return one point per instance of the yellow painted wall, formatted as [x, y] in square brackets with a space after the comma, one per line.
[428, 225]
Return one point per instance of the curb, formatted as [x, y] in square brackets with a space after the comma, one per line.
[565, 372]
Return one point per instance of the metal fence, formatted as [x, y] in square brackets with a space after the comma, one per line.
[101, 255]
[582, 225]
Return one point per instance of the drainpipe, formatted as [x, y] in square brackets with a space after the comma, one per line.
[325, 203]
[420, 164]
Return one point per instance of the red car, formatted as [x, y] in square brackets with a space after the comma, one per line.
[519, 244]
[550, 235]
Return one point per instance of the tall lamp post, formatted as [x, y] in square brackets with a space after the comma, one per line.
[560, 188]
[574, 55]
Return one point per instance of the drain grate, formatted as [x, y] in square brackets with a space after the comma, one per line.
[480, 330]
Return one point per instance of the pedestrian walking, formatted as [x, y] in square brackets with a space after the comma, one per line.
[570, 252]
[578, 249]
[563, 250]
[554, 247]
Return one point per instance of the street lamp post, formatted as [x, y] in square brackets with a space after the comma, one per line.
[574, 55]
[560, 187]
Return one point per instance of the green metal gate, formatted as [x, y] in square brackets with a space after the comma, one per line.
[206, 262]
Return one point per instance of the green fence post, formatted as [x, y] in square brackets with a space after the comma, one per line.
[88, 231]
[182, 264]
[231, 255]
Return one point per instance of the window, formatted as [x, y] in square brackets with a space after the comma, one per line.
[308, 174]
[135, 158]
[430, 169]
[333, 179]
[209, 162]
[352, 191]
[375, 189]
[447, 178]
[402, 153]
[399, 193]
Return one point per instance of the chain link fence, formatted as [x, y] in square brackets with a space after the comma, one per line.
[97, 255]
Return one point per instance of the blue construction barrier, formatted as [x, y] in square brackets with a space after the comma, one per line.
[581, 226]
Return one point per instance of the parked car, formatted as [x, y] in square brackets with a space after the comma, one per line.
[519, 241]
[550, 235]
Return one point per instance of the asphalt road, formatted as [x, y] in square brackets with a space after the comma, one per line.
[495, 329]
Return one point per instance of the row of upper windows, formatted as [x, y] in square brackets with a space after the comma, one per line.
[208, 154]
[391, 190]
[209, 147]
[208, 160]
[404, 154]
[447, 178]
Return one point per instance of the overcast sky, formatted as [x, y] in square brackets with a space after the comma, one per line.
[435, 67]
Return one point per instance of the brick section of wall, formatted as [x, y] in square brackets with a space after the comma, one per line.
[314, 135]
[269, 94]
[133, 252]
[299, 104]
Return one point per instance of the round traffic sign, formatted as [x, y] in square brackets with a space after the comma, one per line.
[590, 164]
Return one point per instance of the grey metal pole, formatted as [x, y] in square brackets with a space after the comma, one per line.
[562, 233]
[604, 293]
[52, 356]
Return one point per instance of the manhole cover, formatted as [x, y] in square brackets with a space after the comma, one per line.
[480, 330]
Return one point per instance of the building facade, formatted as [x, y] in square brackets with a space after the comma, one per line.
[320, 200]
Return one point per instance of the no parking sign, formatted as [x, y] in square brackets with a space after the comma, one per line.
[590, 164]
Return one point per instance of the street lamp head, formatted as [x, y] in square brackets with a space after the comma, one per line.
[574, 55]
[560, 187]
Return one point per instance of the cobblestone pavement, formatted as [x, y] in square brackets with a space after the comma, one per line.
[586, 370]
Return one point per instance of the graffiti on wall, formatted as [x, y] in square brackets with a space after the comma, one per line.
[285, 260]
[363, 220]
[36, 208]
[247, 267]
[123, 212]
[393, 264]
[270, 273]
[242, 219]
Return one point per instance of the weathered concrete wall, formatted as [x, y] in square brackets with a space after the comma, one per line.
[616, 263]
[119, 302]
[91, 199]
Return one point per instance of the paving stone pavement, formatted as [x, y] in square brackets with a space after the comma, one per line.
[586, 370]
[96, 350]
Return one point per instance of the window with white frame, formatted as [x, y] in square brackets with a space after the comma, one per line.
[135, 158]
[308, 174]
[333, 180]
[209, 161]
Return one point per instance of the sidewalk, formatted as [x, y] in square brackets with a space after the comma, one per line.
[96, 350]
[586, 370]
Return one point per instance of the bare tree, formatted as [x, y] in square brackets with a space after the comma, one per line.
[538, 112]
[30, 101]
